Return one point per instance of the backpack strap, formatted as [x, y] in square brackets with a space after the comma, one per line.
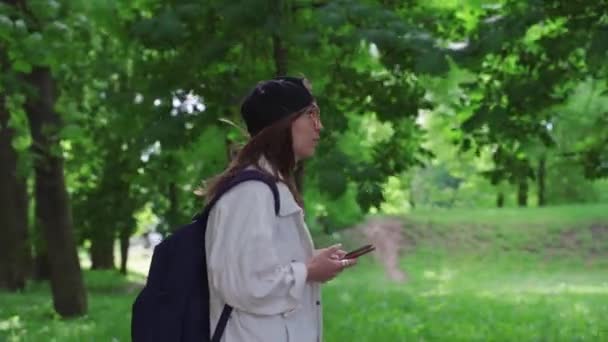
[221, 324]
[243, 176]
[249, 175]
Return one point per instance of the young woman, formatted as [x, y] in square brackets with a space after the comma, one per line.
[262, 264]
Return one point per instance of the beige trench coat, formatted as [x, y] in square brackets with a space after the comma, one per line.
[256, 264]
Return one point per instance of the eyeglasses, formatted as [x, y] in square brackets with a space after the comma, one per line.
[314, 114]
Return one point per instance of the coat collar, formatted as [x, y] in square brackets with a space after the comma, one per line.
[289, 206]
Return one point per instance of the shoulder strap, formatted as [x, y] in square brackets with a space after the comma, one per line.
[221, 324]
[249, 175]
[243, 176]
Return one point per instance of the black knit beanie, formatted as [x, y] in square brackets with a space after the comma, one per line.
[273, 100]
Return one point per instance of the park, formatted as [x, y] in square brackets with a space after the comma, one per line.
[467, 140]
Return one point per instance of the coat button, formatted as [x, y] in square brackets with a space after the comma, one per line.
[318, 302]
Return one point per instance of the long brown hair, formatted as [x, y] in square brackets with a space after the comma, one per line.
[275, 144]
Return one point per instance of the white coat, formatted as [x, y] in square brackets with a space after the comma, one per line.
[256, 263]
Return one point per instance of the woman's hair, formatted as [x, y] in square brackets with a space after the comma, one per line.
[275, 144]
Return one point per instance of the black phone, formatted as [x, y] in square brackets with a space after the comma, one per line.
[359, 252]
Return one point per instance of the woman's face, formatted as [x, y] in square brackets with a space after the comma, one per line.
[305, 132]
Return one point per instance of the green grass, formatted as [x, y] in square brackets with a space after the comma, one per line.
[29, 316]
[464, 299]
[553, 217]
[577, 231]
[513, 275]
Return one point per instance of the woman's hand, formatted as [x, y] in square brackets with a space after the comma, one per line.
[339, 254]
[327, 263]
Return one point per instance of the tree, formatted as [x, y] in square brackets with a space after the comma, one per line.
[527, 56]
[331, 43]
[15, 254]
[33, 79]
[53, 211]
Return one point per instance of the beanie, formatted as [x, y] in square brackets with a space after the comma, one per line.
[273, 100]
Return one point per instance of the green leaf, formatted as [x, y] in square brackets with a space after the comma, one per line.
[433, 62]
[44, 9]
[598, 51]
[20, 27]
[6, 26]
[34, 45]
[21, 65]
[332, 182]
[72, 132]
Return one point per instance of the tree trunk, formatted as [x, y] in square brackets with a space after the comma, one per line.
[500, 199]
[102, 250]
[411, 195]
[13, 212]
[42, 266]
[22, 207]
[522, 192]
[280, 55]
[125, 234]
[53, 212]
[541, 173]
[22, 201]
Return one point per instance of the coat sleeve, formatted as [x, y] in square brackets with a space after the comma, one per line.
[242, 259]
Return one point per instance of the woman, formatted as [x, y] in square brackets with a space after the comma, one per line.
[262, 264]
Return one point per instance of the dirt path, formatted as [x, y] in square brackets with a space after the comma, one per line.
[386, 233]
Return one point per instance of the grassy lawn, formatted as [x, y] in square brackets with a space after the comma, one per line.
[29, 316]
[513, 275]
[553, 217]
[468, 299]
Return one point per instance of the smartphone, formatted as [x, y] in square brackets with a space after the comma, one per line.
[359, 252]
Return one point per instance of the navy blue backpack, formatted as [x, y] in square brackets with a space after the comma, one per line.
[174, 304]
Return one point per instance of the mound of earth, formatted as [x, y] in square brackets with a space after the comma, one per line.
[387, 234]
